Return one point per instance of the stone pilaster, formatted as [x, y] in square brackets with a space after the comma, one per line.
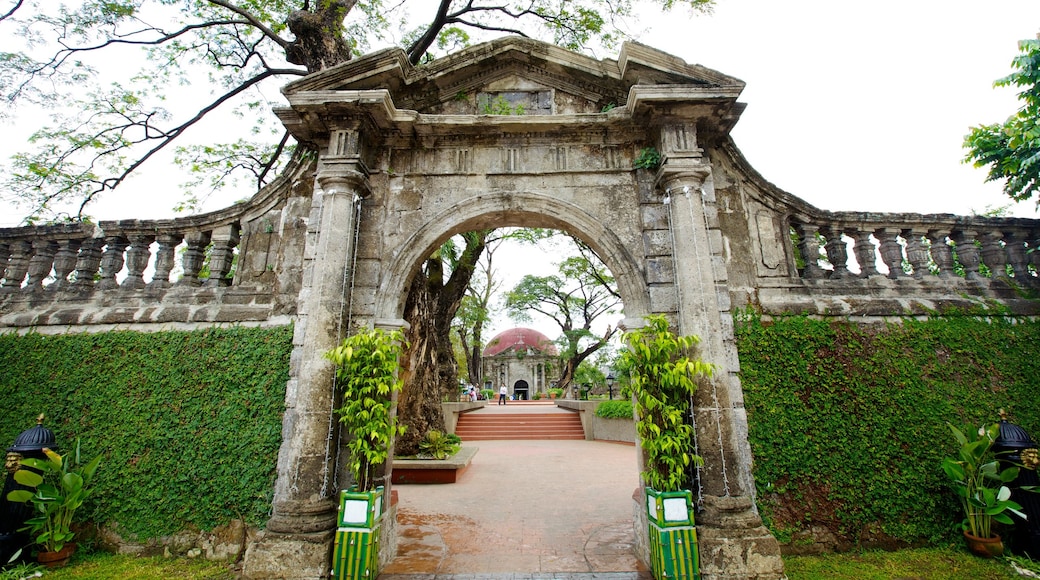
[298, 540]
[734, 542]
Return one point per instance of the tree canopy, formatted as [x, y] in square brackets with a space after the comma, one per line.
[114, 73]
[1012, 149]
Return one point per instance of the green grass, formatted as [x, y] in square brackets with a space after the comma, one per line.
[919, 564]
[104, 566]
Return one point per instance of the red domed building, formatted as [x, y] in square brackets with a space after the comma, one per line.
[522, 359]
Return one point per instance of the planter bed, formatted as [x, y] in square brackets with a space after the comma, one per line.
[433, 470]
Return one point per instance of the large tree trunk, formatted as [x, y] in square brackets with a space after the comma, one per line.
[429, 370]
[320, 41]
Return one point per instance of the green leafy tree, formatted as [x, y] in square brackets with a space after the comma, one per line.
[1011, 149]
[110, 121]
[580, 294]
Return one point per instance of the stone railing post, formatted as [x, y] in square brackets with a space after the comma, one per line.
[40, 264]
[224, 240]
[837, 251]
[165, 258]
[809, 248]
[194, 256]
[967, 253]
[993, 254]
[917, 251]
[5, 255]
[137, 258]
[890, 250]
[865, 253]
[1017, 254]
[87, 264]
[942, 254]
[64, 264]
[112, 261]
[17, 265]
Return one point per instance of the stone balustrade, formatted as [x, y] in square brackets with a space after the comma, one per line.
[940, 247]
[125, 255]
[241, 264]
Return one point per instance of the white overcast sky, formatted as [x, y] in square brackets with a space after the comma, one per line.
[851, 105]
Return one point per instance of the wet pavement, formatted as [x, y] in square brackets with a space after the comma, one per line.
[524, 510]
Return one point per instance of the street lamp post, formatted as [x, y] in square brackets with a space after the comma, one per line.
[610, 384]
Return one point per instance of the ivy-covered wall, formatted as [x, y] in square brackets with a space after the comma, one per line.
[848, 421]
[189, 422]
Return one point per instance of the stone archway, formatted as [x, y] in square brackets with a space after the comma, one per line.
[407, 158]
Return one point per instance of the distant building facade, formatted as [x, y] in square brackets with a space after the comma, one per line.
[522, 359]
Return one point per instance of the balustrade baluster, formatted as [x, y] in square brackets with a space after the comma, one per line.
[809, 248]
[1017, 255]
[891, 251]
[221, 255]
[88, 263]
[5, 255]
[916, 251]
[64, 264]
[165, 258]
[993, 254]
[837, 252]
[40, 264]
[942, 254]
[967, 253]
[112, 261]
[865, 253]
[137, 258]
[194, 256]
[17, 265]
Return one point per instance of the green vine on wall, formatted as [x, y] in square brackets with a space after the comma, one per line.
[847, 422]
[189, 422]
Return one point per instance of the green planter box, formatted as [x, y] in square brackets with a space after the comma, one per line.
[673, 537]
[355, 554]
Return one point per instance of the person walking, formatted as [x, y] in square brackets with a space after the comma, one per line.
[502, 392]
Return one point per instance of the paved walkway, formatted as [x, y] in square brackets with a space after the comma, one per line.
[524, 509]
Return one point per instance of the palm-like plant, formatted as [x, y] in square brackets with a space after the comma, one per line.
[978, 481]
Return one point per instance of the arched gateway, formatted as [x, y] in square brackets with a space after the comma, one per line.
[515, 133]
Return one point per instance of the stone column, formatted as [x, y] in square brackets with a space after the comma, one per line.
[837, 251]
[40, 264]
[866, 256]
[942, 255]
[87, 264]
[298, 539]
[224, 240]
[165, 257]
[733, 541]
[917, 250]
[112, 261]
[809, 247]
[194, 256]
[967, 253]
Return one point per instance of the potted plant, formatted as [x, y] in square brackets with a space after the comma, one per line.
[60, 485]
[366, 374]
[661, 376]
[555, 393]
[978, 482]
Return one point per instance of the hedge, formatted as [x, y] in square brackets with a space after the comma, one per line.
[847, 422]
[189, 422]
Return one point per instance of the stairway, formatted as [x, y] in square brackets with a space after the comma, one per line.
[523, 420]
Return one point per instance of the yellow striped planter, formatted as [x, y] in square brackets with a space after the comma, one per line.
[355, 554]
[673, 537]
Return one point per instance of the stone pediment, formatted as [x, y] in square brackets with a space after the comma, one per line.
[535, 77]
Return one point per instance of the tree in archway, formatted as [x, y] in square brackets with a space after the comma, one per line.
[1012, 149]
[475, 312]
[429, 369]
[582, 292]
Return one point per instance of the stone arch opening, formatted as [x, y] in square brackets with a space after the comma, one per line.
[505, 209]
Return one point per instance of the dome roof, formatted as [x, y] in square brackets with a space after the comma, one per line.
[520, 339]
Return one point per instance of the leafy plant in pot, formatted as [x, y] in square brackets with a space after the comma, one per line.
[366, 373]
[661, 374]
[60, 485]
[979, 483]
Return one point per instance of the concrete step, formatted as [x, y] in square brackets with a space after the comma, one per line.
[517, 426]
